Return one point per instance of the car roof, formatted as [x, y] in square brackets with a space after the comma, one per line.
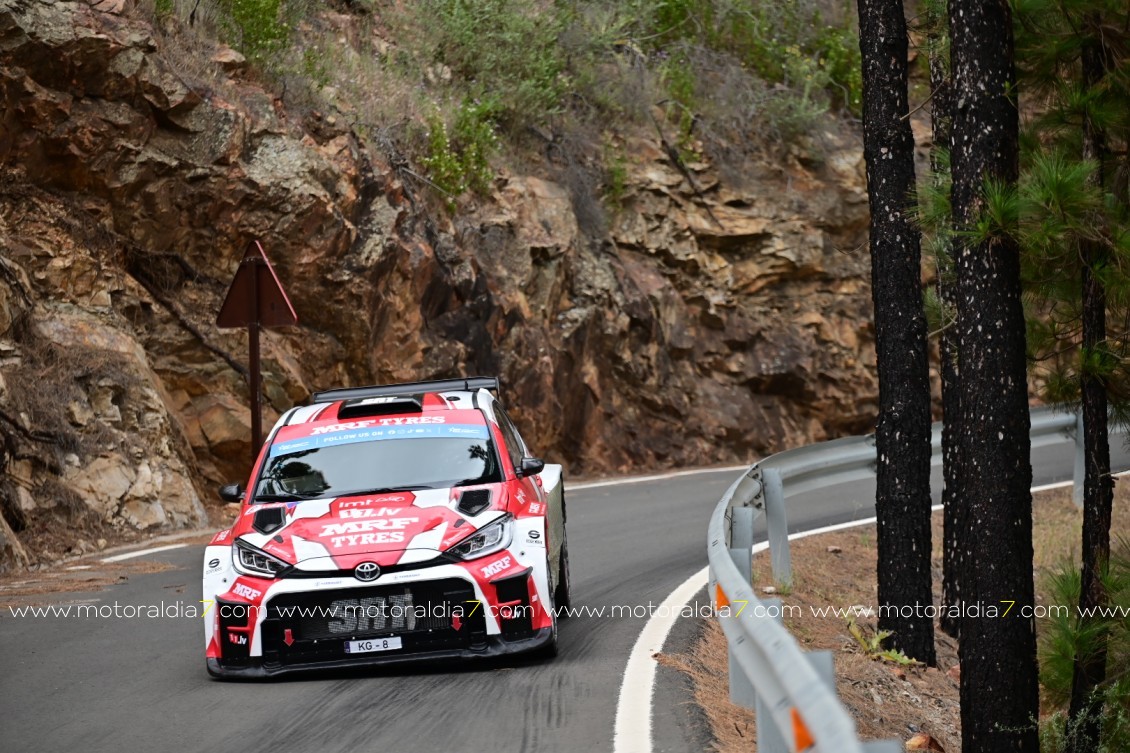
[467, 399]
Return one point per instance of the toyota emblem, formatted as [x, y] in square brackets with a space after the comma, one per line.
[367, 571]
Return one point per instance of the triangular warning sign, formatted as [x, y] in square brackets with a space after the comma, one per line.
[256, 296]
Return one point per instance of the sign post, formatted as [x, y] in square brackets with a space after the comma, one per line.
[256, 299]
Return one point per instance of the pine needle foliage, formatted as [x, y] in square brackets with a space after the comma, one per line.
[1060, 202]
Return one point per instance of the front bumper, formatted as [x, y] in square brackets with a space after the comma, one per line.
[433, 619]
[267, 666]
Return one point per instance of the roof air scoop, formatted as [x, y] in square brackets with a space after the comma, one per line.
[380, 406]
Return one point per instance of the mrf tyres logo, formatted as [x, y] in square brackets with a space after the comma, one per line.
[495, 568]
[361, 532]
[247, 592]
[354, 425]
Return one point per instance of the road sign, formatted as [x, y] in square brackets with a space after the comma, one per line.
[256, 299]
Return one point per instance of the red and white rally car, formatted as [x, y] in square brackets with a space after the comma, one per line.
[388, 524]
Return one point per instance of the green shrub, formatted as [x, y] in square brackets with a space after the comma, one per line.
[505, 51]
[615, 176]
[258, 26]
[1063, 635]
[458, 160]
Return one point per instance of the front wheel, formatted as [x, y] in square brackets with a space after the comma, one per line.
[562, 598]
[549, 650]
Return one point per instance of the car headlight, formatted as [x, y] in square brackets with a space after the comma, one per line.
[487, 540]
[251, 560]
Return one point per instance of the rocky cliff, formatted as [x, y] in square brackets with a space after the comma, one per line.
[694, 325]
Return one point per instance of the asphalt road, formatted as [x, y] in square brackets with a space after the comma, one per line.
[122, 685]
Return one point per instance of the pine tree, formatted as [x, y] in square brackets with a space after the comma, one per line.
[902, 437]
[941, 109]
[999, 691]
[1073, 208]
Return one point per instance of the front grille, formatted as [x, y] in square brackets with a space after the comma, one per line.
[314, 626]
[294, 572]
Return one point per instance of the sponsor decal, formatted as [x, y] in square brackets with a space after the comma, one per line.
[351, 503]
[379, 512]
[414, 420]
[347, 426]
[214, 562]
[497, 567]
[362, 526]
[238, 639]
[247, 592]
[365, 431]
[221, 536]
[536, 508]
[361, 539]
[534, 535]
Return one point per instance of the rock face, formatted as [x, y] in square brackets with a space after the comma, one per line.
[693, 327]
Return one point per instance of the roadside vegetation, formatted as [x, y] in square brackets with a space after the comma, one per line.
[458, 88]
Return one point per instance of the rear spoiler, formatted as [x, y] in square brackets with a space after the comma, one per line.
[467, 384]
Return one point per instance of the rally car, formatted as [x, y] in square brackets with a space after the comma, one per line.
[388, 524]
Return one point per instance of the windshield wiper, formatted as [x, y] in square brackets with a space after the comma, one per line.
[386, 490]
[287, 497]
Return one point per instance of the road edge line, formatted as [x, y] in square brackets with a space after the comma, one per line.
[632, 726]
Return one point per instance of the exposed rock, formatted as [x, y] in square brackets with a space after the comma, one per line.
[103, 484]
[692, 327]
[922, 741]
[228, 59]
[12, 553]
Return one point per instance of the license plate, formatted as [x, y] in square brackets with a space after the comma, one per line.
[373, 644]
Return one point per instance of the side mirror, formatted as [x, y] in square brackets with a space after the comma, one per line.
[231, 493]
[530, 467]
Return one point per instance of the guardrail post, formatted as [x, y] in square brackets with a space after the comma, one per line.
[1080, 462]
[741, 552]
[769, 737]
[777, 526]
[741, 540]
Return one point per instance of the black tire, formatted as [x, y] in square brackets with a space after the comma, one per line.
[562, 597]
[549, 650]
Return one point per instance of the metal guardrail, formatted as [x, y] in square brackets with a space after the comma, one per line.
[793, 691]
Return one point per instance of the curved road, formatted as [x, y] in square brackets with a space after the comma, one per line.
[139, 684]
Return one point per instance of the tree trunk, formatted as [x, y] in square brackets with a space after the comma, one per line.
[1083, 724]
[999, 691]
[902, 438]
[941, 116]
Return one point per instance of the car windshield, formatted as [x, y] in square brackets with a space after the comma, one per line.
[370, 467]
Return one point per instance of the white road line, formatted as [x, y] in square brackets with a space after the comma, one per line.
[142, 553]
[633, 709]
[659, 477]
[1049, 487]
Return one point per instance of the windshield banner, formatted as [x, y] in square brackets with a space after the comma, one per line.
[350, 436]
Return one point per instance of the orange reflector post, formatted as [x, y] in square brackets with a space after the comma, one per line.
[801, 736]
[720, 597]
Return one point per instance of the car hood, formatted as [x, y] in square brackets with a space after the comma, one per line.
[340, 532]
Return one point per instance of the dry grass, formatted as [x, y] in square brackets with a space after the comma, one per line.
[886, 701]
